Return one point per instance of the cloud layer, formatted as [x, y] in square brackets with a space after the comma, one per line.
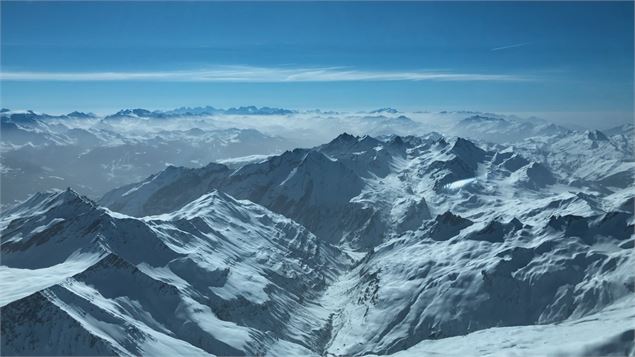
[259, 74]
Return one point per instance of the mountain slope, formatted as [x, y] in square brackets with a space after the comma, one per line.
[375, 186]
[449, 240]
[566, 155]
[219, 276]
[417, 287]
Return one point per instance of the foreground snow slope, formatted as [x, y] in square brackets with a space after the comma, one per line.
[415, 287]
[607, 333]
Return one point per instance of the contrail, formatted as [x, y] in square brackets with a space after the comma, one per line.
[510, 46]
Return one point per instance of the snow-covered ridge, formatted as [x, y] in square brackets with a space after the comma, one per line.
[453, 239]
[232, 272]
[197, 111]
[370, 183]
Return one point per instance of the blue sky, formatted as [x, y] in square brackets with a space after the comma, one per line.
[574, 58]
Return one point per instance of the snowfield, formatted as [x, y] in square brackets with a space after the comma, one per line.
[400, 245]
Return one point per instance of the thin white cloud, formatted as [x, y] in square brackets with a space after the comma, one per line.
[259, 74]
[510, 46]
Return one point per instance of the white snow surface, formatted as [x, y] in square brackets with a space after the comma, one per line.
[602, 334]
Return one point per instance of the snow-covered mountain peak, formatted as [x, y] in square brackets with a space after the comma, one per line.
[342, 142]
[131, 113]
[214, 203]
[483, 119]
[52, 200]
[597, 135]
[81, 115]
[467, 150]
[385, 110]
[346, 145]
[65, 203]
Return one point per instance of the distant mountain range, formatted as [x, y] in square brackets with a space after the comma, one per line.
[198, 111]
[94, 155]
[40, 151]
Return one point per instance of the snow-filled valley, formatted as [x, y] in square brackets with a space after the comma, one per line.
[411, 234]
